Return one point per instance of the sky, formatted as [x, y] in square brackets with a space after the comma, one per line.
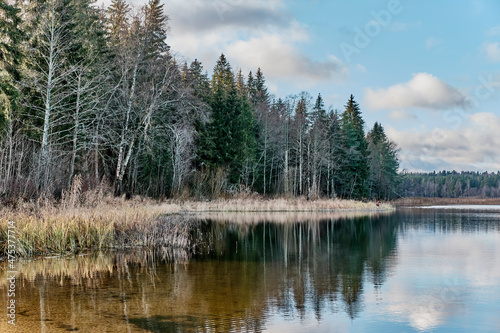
[428, 71]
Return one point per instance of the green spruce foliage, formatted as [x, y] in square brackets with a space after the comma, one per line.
[384, 164]
[355, 169]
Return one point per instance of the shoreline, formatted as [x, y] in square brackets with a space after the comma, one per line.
[421, 201]
[45, 228]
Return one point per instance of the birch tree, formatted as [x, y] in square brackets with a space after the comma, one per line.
[47, 75]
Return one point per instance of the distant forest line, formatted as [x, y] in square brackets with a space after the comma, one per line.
[92, 96]
[450, 184]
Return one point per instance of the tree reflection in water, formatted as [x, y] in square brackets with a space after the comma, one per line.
[239, 275]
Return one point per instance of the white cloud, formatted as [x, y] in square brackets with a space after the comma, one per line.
[199, 16]
[361, 68]
[492, 51]
[474, 145]
[402, 115]
[422, 91]
[281, 60]
[495, 31]
[432, 42]
[252, 34]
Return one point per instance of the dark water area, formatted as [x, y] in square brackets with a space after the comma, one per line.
[415, 270]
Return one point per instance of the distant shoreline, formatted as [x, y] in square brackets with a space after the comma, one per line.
[420, 201]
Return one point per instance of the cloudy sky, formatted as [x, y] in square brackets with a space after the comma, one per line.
[429, 71]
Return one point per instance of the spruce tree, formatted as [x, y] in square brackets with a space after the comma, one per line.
[223, 77]
[241, 86]
[155, 24]
[229, 141]
[337, 155]
[11, 37]
[384, 164]
[118, 21]
[201, 84]
[355, 171]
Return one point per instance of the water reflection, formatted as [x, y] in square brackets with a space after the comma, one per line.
[318, 262]
[408, 271]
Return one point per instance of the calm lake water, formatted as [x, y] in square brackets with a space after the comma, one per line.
[416, 270]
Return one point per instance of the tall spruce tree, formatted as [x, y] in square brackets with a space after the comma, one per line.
[155, 24]
[230, 138]
[118, 21]
[355, 170]
[384, 164]
[11, 37]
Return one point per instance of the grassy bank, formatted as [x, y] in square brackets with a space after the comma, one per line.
[418, 201]
[74, 226]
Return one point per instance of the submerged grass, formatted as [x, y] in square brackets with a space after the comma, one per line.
[73, 226]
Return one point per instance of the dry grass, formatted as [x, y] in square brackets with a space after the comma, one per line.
[281, 205]
[83, 222]
[419, 201]
[249, 218]
[113, 223]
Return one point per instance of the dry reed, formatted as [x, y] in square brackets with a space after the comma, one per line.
[420, 201]
[96, 221]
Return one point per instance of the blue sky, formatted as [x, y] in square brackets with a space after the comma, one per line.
[427, 70]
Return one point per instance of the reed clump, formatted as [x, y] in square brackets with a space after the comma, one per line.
[82, 222]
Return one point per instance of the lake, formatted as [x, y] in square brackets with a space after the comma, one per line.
[414, 270]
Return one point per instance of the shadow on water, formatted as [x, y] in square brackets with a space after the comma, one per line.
[160, 323]
[237, 276]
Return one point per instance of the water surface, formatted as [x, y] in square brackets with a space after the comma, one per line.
[412, 271]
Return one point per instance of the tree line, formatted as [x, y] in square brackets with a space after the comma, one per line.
[95, 94]
[450, 184]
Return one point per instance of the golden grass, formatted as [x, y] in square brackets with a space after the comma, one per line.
[73, 227]
[281, 205]
[284, 217]
[419, 201]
